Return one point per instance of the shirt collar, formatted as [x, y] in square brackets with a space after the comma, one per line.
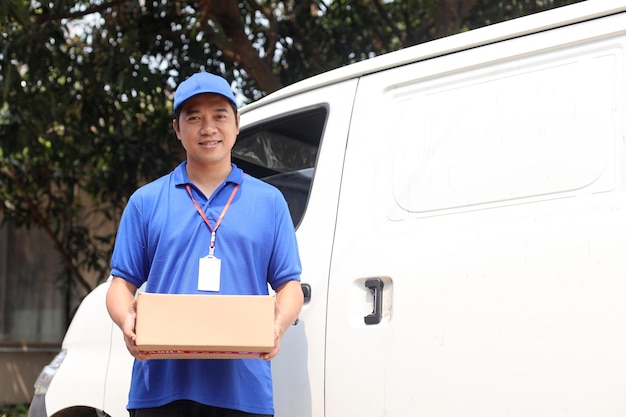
[181, 178]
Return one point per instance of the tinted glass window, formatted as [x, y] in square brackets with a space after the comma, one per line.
[283, 151]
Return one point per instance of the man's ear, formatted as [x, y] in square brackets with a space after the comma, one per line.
[175, 126]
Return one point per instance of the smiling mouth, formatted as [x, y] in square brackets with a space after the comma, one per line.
[210, 143]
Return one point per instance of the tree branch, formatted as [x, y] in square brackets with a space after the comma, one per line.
[311, 51]
[450, 15]
[226, 14]
[76, 15]
[394, 28]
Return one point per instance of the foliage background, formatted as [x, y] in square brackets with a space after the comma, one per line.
[87, 86]
[20, 410]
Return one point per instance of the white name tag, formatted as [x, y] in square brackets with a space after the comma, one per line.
[209, 274]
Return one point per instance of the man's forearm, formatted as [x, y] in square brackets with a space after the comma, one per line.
[118, 300]
[289, 299]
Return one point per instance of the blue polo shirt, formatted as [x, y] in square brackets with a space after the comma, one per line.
[160, 240]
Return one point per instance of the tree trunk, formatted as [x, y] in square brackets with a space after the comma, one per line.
[450, 16]
[235, 44]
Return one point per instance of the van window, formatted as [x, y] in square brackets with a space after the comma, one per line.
[532, 129]
[282, 151]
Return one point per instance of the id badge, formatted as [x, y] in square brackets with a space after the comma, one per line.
[209, 274]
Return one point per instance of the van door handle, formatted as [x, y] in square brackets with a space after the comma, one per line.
[306, 291]
[376, 286]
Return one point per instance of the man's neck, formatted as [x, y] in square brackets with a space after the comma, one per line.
[208, 178]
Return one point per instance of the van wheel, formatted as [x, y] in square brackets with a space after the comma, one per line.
[81, 412]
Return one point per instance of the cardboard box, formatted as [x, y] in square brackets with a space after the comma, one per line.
[185, 326]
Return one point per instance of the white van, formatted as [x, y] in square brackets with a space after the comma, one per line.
[461, 214]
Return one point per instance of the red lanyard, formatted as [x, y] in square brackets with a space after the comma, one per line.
[219, 219]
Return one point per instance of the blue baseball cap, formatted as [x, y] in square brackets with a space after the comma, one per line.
[202, 82]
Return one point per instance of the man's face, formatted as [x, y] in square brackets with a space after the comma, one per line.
[207, 128]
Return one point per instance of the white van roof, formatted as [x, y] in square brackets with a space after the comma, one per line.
[561, 16]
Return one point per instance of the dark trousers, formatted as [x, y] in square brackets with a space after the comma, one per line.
[186, 408]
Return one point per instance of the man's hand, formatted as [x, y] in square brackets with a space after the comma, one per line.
[130, 337]
[289, 300]
[122, 307]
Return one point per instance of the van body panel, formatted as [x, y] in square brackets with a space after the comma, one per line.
[119, 371]
[485, 189]
[88, 343]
